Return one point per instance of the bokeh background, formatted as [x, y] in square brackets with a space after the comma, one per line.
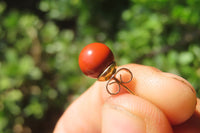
[40, 41]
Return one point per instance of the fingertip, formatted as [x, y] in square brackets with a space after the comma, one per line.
[182, 99]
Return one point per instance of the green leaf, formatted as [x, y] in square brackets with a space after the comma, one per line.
[34, 108]
[185, 58]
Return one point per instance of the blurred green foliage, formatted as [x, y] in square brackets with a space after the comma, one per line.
[40, 42]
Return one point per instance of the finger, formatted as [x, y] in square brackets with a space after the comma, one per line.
[84, 115]
[148, 83]
[118, 120]
[130, 114]
[171, 93]
[192, 125]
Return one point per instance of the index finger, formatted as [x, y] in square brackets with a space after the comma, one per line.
[172, 94]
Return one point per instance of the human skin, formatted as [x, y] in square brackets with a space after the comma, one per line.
[163, 103]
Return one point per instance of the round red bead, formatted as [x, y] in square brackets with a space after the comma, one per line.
[94, 59]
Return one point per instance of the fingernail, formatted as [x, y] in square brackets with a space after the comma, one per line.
[180, 79]
[116, 119]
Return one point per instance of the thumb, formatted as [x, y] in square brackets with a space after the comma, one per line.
[116, 119]
[131, 114]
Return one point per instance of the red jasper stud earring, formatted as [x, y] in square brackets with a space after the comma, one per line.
[96, 60]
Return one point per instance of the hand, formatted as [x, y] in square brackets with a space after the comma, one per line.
[164, 103]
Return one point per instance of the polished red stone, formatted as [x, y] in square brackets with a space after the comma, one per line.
[95, 58]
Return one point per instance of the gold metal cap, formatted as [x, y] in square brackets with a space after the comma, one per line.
[108, 72]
